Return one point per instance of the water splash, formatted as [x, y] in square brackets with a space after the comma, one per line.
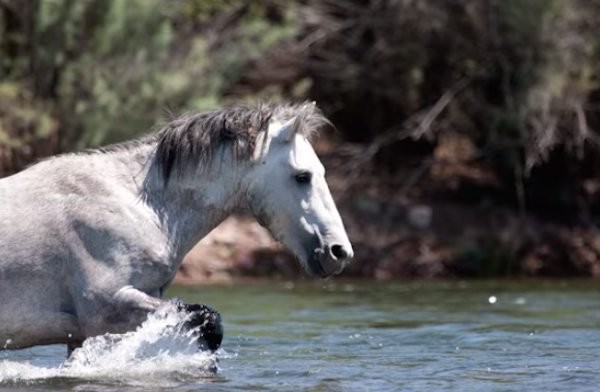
[157, 353]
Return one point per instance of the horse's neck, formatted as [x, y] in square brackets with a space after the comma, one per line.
[191, 205]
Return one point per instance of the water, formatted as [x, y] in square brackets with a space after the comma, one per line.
[336, 336]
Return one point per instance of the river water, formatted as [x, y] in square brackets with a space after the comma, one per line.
[347, 336]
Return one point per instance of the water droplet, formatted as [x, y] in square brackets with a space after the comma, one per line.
[492, 299]
[520, 301]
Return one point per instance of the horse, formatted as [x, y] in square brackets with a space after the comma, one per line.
[90, 240]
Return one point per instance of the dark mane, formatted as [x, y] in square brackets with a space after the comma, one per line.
[193, 139]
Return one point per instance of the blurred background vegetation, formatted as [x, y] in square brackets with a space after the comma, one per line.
[468, 130]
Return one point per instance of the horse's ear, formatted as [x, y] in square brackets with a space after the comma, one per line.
[288, 130]
[297, 126]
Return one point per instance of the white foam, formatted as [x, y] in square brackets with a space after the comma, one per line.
[157, 353]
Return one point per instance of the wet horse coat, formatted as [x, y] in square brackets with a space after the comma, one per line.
[89, 241]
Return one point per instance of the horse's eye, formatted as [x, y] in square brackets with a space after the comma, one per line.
[303, 177]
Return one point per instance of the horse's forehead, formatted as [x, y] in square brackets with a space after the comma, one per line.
[302, 154]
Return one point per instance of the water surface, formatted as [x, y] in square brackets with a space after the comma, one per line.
[340, 336]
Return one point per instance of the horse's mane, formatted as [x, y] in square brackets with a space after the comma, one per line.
[194, 138]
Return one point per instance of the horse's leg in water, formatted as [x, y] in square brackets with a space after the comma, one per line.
[32, 328]
[127, 301]
[204, 320]
[72, 346]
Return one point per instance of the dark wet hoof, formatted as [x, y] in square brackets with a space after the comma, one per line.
[206, 324]
[72, 346]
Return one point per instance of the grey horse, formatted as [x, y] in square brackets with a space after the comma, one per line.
[89, 241]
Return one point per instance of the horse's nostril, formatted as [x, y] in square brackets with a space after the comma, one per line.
[339, 252]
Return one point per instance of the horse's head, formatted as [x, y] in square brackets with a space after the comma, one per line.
[288, 194]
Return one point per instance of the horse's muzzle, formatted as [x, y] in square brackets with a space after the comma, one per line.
[327, 261]
[206, 324]
[328, 256]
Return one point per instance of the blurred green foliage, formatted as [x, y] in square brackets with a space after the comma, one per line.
[518, 78]
[107, 70]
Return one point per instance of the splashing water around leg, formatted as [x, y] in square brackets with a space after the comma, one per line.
[159, 350]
